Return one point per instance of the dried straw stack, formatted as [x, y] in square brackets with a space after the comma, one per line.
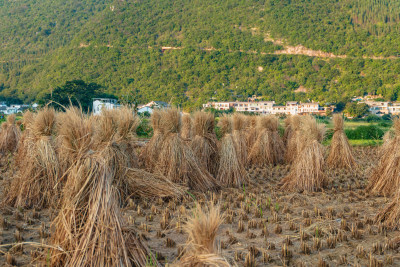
[9, 135]
[232, 171]
[89, 229]
[293, 137]
[268, 148]
[114, 137]
[239, 126]
[176, 159]
[306, 173]
[252, 132]
[150, 153]
[225, 125]
[390, 215]
[340, 155]
[205, 143]
[187, 127]
[202, 230]
[385, 177]
[37, 184]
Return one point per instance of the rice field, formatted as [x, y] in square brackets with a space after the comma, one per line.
[83, 190]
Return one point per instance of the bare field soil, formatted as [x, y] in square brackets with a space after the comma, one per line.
[262, 224]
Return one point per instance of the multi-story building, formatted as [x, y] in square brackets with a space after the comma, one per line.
[268, 107]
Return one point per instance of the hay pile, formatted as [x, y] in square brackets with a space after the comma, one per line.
[187, 127]
[239, 126]
[225, 125]
[293, 138]
[306, 173]
[390, 215]
[9, 135]
[176, 160]
[89, 229]
[150, 153]
[252, 132]
[36, 184]
[205, 143]
[231, 171]
[340, 155]
[385, 177]
[268, 148]
[202, 230]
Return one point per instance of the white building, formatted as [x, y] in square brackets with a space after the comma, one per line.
[145, 109]
[104, 103]
[149, 107]
[269, 107]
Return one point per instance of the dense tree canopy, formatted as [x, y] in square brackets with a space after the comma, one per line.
[76, 92]
[217, 49]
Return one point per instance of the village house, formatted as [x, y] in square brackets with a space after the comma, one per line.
[149, 107]
[104, 103]
[269, 107]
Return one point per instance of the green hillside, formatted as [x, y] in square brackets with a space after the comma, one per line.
[221, 49]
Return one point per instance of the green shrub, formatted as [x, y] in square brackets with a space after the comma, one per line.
[365, 132]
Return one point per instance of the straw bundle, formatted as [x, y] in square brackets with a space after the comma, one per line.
[178, 163]
[231, 170]
[22, 148]
[268, 149]
[140, 183]
[202, 230]
[89, 229]
[225, 124]
[385, 177]
[307, 173]
[205, 142]
[388, 137]
[340, 155]
[149, 154]
[37, 182]
[187, 127]
[177, 160]
[293, 138]
[252, 132]
[75, 131]
[9, 135]
[390, 215]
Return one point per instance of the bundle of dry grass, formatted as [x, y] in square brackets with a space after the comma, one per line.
[140, 183]
[37, 183]
[22, 148]
[9, 135]
[390, 215]
[293, 138]
[89, 229]
[75, 131]
[232, 171]
[307, 173]
[388, 137]
[176, 159]
[149, 155]
[268, 149]
[205, 143]
[340, 155]
[385, 177]
[187, 127]
[225, 125]
[239, 125]
[252, 132]
[202, 230]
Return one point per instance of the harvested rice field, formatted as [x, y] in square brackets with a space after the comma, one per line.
[262, 200]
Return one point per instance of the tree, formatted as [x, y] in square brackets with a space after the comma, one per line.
[77, 92]
[356, 110]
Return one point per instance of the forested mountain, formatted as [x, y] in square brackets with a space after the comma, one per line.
[215, 49]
